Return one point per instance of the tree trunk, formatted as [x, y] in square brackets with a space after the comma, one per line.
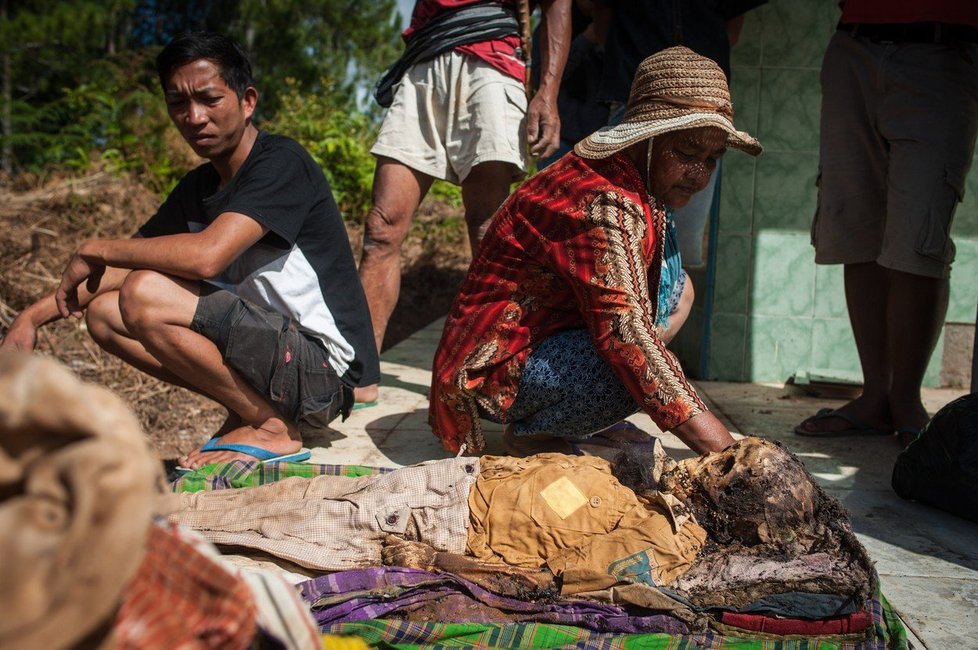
[7, 150]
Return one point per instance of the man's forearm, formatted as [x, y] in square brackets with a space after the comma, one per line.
[542, 118]
[45, 310]
[555, 32]
[41, 312]
[176, 258]
[192, 256]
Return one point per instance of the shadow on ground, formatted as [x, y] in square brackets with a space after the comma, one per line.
[427, 291]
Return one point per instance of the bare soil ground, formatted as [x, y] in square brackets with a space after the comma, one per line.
[41, 224]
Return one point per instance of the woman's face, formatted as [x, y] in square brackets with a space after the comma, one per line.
[682, 162]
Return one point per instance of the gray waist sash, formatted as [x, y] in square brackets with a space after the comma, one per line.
[471, 24]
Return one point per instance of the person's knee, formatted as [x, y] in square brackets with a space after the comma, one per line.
[385, 229]
[139, 298]
[102, 317]
[483, 191]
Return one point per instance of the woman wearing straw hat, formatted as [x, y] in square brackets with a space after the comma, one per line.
[560, 328]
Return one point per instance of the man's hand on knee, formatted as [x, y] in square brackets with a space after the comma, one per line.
[80, 269]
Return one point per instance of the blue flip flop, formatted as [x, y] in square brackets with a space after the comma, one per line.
[264, 455]
[364, 405]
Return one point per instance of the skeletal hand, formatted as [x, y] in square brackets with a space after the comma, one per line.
[413, 555]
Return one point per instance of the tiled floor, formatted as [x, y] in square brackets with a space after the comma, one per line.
[927, 560]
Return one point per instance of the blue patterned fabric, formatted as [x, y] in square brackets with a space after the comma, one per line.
[673, 276]
[568, 390]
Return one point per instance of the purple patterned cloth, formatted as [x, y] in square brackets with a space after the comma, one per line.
[379, 592]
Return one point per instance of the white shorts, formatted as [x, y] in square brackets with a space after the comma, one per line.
[452, 113]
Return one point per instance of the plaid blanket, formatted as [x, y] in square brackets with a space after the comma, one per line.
[245, 473]
[376, 592]
[888, 632]
[404, 635]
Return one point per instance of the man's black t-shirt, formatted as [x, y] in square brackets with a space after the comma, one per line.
[303, 267]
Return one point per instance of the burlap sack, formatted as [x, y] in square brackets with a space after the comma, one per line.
[77, 484]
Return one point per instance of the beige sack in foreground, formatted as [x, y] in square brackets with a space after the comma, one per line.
[77, 484]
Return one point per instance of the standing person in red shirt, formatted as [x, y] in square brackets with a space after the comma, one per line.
[458, 112]
[899, 115]
[556, 330]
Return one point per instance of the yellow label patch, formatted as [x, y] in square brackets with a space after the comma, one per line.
[563, 497]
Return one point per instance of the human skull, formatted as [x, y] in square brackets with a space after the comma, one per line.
[754, 492]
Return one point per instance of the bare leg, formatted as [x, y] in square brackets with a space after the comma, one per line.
[483, 191]
[365, 393]
[107, 329]
[915, 315]
[867, 296]
[867, 288]
[896, 319]
[150, 328]
[397, 192]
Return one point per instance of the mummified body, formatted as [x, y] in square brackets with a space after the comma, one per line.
[727, 529]
[771, 528]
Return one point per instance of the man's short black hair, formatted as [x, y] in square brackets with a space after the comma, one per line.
[222, 50]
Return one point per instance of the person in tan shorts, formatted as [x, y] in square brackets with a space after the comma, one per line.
[899, 116]
[461, 116]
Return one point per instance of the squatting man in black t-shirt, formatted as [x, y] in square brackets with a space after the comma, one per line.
[242, 286]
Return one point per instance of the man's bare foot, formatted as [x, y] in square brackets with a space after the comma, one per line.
[274, 435]
[910, 417]
[858, 417]
[365, 394]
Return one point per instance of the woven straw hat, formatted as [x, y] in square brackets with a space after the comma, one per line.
[673, 90]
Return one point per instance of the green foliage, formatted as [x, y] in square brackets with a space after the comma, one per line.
[83, 86]
[338, 139]
[349, 42]
[117, 115]
[446, 193]
[47, 42]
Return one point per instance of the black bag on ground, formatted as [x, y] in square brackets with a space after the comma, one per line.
[940, 467]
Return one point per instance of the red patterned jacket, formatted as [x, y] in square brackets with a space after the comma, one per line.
[577, 245]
